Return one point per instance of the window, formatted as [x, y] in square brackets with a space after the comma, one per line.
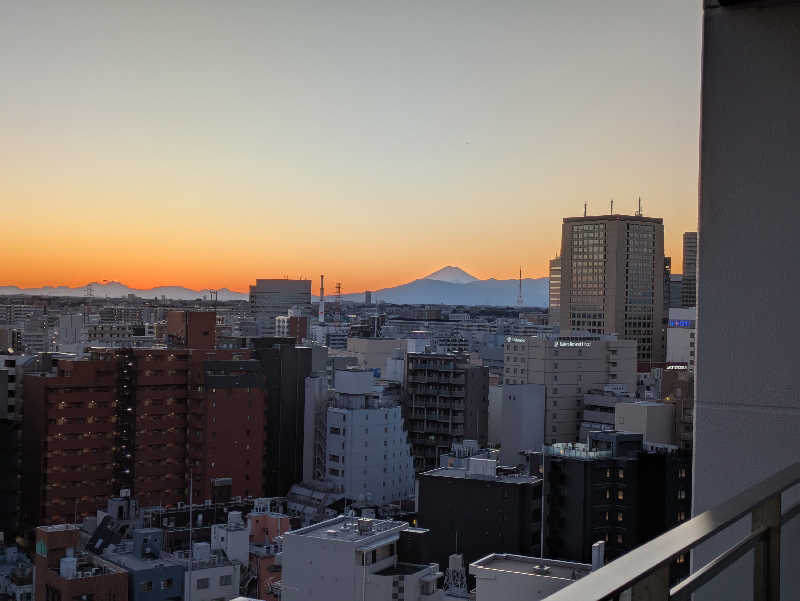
[147, 586]
[621, 474]
[225, 580]
[619, 539]
[167, 583]
[620, 495]
[619, 516]
[681, 516]
[202, 583]
[681, 494]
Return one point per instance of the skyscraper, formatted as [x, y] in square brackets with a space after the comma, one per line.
[689, 282]
[554, 312]
[612, 279]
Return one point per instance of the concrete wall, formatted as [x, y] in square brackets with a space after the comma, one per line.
[216, 589]
[747, 411]
[495, 413]
[653, 420]
[522, 421]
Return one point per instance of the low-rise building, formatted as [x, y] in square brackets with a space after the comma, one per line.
[63, 571]
[477, 509]
[347, 559]
[523, 578]
[16, 574]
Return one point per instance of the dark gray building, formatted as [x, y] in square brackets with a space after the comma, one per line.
[152, 576]
[478, 509]
[10, 477]
[446, 401]
[689, 281]
[286, 367]
[613, 490]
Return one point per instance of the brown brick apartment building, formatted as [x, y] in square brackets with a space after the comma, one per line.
[140, 419]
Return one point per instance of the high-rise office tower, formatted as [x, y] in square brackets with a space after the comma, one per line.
[270, 298]
[689, 282]
[554, 311]
[612, 279]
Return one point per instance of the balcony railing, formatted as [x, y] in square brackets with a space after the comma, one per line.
[645, 570]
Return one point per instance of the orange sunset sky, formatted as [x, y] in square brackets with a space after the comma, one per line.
[206, 144]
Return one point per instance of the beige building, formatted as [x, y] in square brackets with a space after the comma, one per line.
[373, 353]
[567, 367]
[612, 279]
[652, 420]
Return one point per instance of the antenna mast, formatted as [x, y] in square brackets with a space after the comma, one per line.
[321, 315]
[519, 296]
[585, 204]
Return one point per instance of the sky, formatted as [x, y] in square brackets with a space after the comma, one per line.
[207, 144]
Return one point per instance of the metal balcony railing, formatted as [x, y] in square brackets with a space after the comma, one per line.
[645, 570]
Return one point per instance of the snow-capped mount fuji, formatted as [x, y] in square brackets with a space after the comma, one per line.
[454, 275]
[454, 286]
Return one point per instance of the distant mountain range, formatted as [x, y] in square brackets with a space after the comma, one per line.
[449, 286]
[454, 286]
[117, 290]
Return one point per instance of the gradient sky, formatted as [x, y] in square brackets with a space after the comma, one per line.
[206, 144]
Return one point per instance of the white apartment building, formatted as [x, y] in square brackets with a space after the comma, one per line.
[567, 367]
[367, 449]
[271, 298]
[349, 559]
[682, 336]
[213, 575]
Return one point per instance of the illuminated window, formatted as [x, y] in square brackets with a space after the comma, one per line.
[620, 495]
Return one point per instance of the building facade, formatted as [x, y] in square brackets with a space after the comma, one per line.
[477, 508]
[367, 452]
[554, 310]
[689, 280]
[682, 337]
[612, 279]
[347, 559]
[142, 420]
[270, 298]
[446, 401]
[567, 367]
[286, 367]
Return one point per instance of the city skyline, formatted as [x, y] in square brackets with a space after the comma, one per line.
[372, 143]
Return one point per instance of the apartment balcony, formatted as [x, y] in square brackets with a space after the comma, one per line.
[644, 573]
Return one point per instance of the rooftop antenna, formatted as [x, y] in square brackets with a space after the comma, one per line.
[584, 208]
[639, 212]
[612, 206]
[519, 296]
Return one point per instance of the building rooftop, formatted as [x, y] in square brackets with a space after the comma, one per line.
[532, 566]
[465, 474]
[123, 555]
[402, 569]
[350, 529]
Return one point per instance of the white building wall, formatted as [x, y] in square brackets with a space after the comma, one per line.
[682, 336]
[215, 589]
[368, 454]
